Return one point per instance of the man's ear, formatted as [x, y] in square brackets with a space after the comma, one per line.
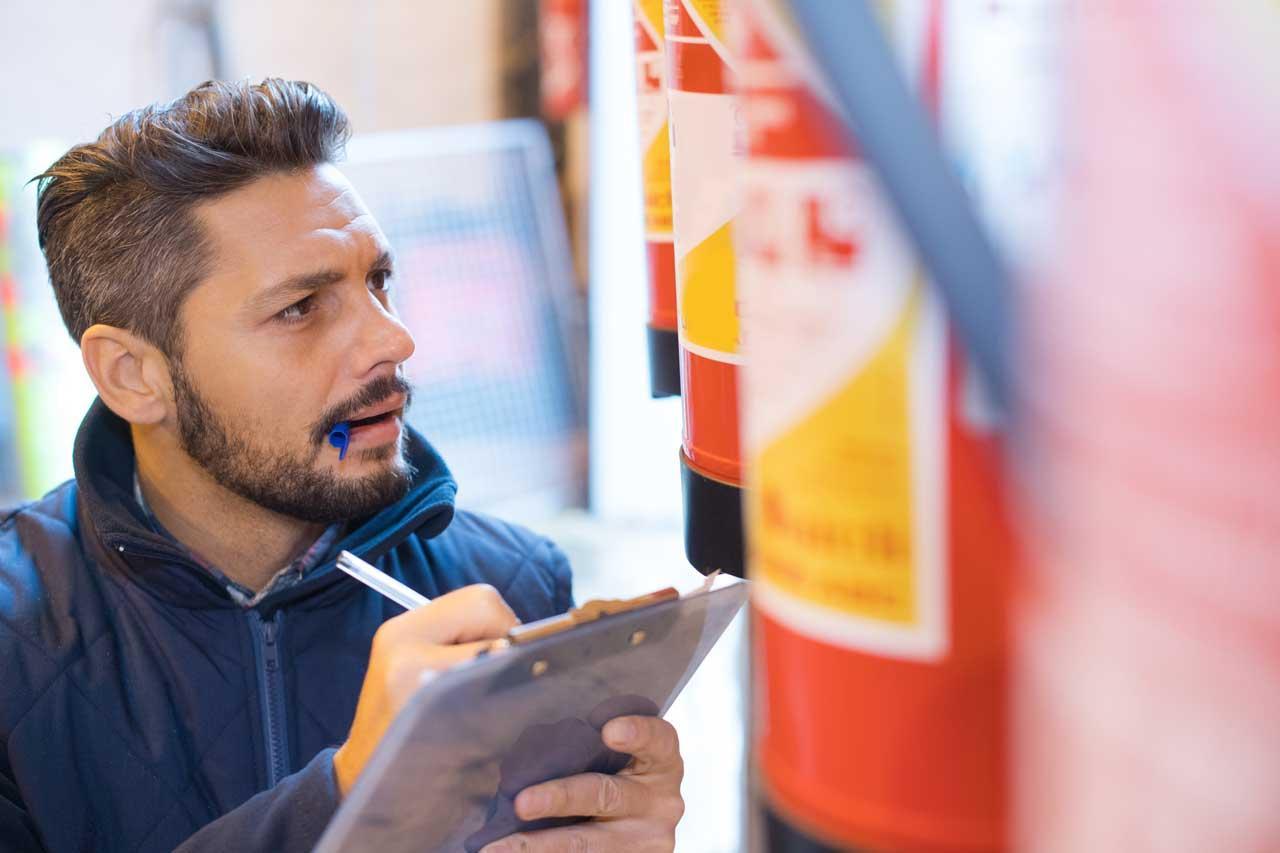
[131, 374]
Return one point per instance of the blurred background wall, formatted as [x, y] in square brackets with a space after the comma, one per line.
[390, 64]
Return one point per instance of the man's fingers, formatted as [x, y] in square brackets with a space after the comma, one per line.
[652, 740]
[409, 666]
[584, 795]
[631, 813]
[472, 613]
[417, 644]
[438, 658]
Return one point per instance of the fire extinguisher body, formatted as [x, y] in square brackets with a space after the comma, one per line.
[655, 163]
[707, 153]
[878, 541]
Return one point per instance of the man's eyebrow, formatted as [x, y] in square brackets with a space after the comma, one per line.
[294, 284]
[309, 281]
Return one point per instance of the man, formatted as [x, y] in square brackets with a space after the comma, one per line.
[181, 664]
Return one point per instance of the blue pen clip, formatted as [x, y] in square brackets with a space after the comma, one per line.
[339, 436]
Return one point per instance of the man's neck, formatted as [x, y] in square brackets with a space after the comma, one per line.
[246, 542]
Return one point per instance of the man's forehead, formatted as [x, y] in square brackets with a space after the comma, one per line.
[280, 221]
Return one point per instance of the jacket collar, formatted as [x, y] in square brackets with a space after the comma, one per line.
[115, 532]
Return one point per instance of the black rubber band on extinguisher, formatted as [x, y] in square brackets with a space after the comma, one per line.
[664, 362]
[713, 534]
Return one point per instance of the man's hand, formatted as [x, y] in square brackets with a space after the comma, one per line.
[451, 629]
[636, 810]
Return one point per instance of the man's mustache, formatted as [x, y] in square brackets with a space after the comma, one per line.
[370, 395]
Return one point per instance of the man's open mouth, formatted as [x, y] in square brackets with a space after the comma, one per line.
[375, 419]
[369, 426]
[380, 413]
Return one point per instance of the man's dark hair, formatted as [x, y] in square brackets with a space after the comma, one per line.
[115, 216]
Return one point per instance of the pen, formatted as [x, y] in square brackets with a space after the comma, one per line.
[380, 581]
[398, 592]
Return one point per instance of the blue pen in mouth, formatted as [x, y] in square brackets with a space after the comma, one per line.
[341, 434]
[339, 437]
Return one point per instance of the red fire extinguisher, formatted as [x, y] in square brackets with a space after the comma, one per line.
[878, 540]
[655, 160]
[563, 49]
[707, 152]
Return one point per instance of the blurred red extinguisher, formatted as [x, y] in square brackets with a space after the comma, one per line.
[563, 49]
[563, 42]
[1148, 629]
[707, 151]
[878, 541]
[655, 162]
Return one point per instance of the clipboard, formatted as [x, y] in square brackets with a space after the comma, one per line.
[447, 772]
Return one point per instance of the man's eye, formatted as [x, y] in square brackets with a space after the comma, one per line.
[297, 311]
[380, 280]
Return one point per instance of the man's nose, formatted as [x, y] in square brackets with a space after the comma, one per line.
[383, 339]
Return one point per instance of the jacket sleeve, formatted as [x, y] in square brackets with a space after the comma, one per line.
[562, 578]
[289, 818]
[17, 832]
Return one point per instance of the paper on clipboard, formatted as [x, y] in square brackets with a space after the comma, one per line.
[448, 769]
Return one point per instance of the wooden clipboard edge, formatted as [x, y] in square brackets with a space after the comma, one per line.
[591, 611]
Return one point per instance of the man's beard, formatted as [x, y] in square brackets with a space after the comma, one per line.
[286, 483]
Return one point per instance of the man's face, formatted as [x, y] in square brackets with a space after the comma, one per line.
[291, 333]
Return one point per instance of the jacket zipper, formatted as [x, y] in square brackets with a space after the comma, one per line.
[266, 646]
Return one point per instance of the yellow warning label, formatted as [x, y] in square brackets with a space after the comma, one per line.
[707, 154]
[651, 10]
[657, 185]
[832, 511]
[709, 13]
[708, 309]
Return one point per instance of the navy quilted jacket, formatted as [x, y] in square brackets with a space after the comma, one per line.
[141, 709]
